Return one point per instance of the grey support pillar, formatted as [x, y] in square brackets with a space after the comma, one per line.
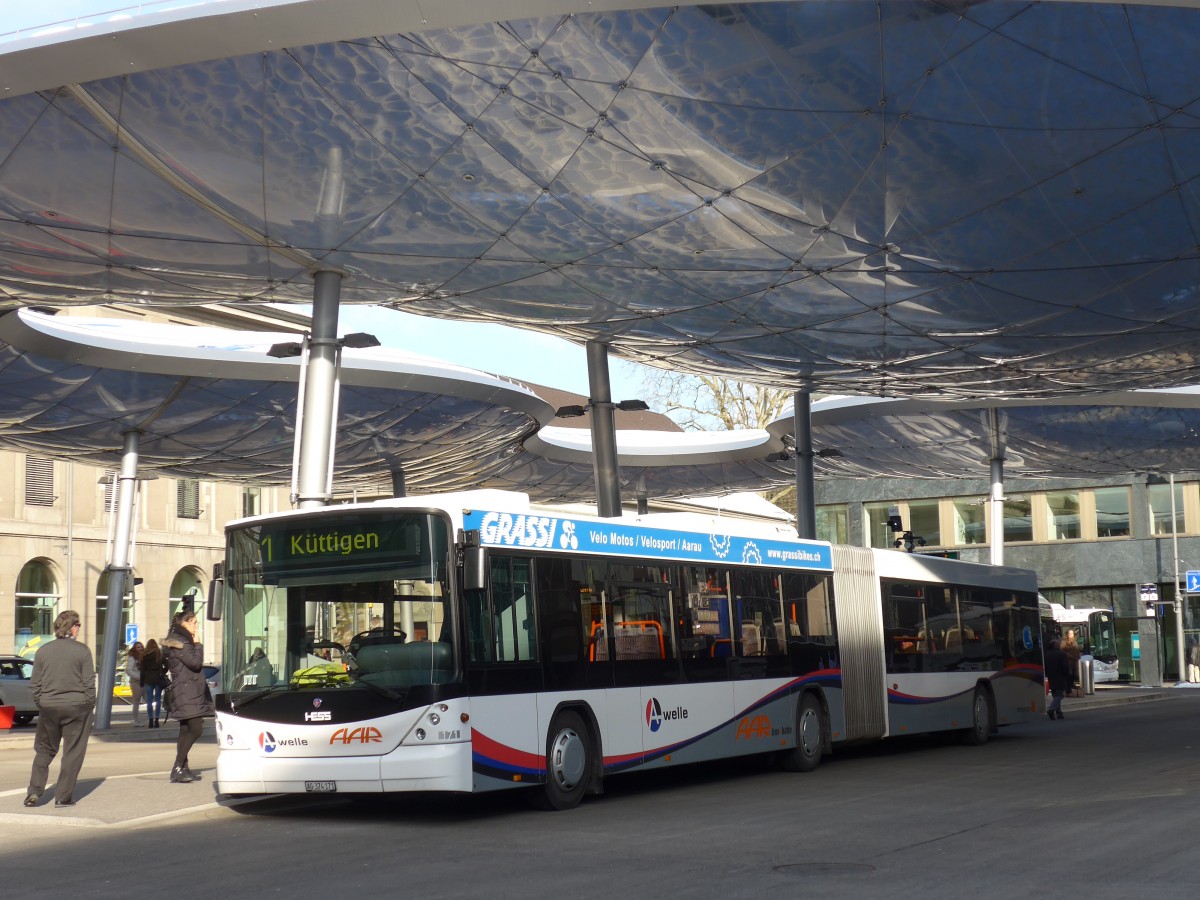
[604, 433]
[996, 503]
[118, 578]
[806, 494]
[318, 417]
[1180, 599]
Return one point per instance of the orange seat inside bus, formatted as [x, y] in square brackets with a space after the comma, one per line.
[634, 640]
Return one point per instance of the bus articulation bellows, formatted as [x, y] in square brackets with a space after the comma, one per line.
[474, 641]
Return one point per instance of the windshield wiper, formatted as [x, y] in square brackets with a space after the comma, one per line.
[235, 705]
[387, 693]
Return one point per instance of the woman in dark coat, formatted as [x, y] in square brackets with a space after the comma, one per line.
[189, 698]
[1058, 673]
[154, 679]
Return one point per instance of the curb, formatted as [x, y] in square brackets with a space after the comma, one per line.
[23, 739]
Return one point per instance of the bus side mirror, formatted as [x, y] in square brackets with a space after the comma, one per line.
[474, 573]
[216, 595]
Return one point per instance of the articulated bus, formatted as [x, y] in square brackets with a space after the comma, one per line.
[474, 641]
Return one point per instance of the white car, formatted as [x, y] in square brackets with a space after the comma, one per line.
[16, 689]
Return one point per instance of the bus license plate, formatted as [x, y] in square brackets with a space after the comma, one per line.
[320, 787]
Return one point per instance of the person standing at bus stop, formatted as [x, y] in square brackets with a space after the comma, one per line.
[64, 689]
[189, 700]
[1070, 646]
[1058, 673]
[133, 674]
[154, 679]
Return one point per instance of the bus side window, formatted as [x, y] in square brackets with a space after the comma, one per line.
[512, 609]
[500, 623]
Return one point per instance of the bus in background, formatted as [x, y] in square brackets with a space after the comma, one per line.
[474, 642]
[1095, 632]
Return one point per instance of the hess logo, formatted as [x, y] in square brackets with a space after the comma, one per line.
[368, 735]
[656, 715]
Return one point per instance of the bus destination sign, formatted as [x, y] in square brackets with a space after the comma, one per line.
[286, 547]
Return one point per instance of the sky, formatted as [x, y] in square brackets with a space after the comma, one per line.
[525, 355]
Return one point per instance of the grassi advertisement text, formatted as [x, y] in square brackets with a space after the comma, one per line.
[541, 532]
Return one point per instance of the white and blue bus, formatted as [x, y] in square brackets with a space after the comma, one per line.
[1094, 631]
[475, 641]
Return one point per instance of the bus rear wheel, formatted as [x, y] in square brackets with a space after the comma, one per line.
[981, 719]
[568, 762]
[810, 737]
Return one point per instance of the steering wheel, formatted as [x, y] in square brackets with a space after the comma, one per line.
[379, 631]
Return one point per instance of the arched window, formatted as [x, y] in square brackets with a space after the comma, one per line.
[37, 599]
[187, 592]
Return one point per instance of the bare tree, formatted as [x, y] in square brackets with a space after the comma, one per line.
[712, 403]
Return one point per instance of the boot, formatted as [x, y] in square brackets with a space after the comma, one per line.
[194, 776]
[180, 775]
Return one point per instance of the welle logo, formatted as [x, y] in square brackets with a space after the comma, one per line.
[656, 715]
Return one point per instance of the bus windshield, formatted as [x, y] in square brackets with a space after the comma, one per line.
[331, 600]
[1100, 639]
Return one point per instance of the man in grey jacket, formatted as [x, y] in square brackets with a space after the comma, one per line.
[64, 689]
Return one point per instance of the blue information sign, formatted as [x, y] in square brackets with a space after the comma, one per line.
[131, 633]
[533, 531]
[1193, 582]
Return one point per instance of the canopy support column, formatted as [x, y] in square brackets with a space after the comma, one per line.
[806, 493]
[996, 503]
[316, 428]
[118, 577]
[604, 432]
[1180, 600]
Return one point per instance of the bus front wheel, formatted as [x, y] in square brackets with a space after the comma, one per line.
[981, 719]
[568, 762]
[810, 737]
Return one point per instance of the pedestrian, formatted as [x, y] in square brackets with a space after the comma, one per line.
[189, 699]
[133, 674]
[64, 690]
[1194, 662]
[1070, 646]
[1058, 673]
[154, 679]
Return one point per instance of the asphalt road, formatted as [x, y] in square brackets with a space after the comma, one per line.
[1105, 804]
